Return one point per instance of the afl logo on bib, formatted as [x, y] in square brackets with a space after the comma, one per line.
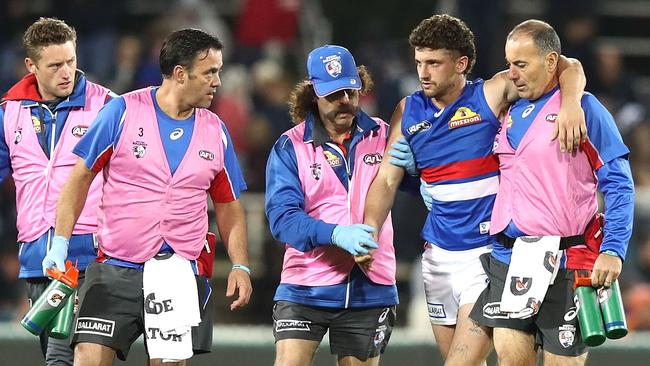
[78, 131]
[207, 155]
[372, 159]
[551, 117]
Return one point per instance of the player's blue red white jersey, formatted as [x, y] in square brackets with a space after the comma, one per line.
[453, 151]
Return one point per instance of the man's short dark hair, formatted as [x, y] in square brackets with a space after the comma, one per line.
[445, 32]
[183, 46]
[544, 36]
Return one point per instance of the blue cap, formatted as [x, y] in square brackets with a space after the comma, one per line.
[332, 68]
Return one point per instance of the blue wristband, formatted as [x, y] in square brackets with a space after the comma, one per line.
[242, 267]
[610, 252]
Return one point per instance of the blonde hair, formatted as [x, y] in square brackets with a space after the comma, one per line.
[45, 32]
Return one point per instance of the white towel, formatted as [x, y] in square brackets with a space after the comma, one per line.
[533, 267]
[171, 307]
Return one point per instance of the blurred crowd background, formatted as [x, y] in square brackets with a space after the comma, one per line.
[266, 44]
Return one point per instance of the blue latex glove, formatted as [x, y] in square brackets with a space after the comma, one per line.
[426, 196]
[57, 254]
[355, 239]
[403, 156]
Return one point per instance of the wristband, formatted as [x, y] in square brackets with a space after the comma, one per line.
[610, 252]
[242, 267]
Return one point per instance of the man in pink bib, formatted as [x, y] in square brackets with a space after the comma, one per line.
[161, 153]
[317, 177]
[42, 118]
[547, 199]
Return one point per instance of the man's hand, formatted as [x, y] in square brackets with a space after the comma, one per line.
[606, 270]
[570, 126]
[239, 280]
[355, 239]
[403, 156]
[57, 254]
[364, 261]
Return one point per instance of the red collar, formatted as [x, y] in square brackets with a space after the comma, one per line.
[25, 89]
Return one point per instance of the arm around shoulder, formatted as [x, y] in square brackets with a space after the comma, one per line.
[570, 126]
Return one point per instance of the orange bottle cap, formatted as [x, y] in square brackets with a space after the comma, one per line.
[583, 279]
[70, 277]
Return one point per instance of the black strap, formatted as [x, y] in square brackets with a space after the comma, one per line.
[566, 242]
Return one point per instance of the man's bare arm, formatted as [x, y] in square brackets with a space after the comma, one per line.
[73, 198]
[384, 187]
[231, 223]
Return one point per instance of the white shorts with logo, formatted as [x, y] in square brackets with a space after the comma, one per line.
[451, 279]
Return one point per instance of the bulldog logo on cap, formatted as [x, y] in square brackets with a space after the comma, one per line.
[332, 68]
[333, 65]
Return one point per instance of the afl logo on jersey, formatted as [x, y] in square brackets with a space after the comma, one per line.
[551, 117]
[418, 127]
[464, 117]
[372, 159]
[207, 155]
[78, 131]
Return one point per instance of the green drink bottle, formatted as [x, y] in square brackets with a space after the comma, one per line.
[48, 305]
[59, 327]
[611, 305]
[589, 316]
